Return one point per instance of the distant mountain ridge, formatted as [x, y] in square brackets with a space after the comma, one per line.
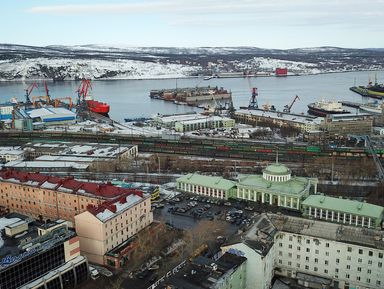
[62, 62]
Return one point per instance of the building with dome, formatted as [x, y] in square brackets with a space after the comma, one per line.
[276, 186]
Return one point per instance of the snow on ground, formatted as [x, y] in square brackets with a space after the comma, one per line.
[5, 222]
[95, 68]
[270, 64]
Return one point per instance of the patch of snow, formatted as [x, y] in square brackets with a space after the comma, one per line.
[5, 222]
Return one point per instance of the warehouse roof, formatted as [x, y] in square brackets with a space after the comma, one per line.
[207, 181]
[344, 205]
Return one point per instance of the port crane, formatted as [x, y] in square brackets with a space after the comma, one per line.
[253, 101]
[287, 108]
[28, 92]
[376, 159]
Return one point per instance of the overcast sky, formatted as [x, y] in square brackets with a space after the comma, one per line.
[261, 23]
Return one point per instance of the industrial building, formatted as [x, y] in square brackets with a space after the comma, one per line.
[52, 115]
[260, 117]
[39, 255]
[49, 197]
[343, 211]
[314, 253]
[6, 111]
[193, 121]
[47, 166]
[347, 124]
[11, 153]
[104, 227]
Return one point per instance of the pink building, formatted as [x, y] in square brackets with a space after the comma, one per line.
[107, 231]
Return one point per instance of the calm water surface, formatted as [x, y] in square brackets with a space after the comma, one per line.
[129, 98]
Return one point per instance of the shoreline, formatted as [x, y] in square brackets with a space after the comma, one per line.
[189, 77]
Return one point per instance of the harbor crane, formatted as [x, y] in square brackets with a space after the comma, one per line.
[376, 159]
[287, 108]
[28, 92]
[253, 101]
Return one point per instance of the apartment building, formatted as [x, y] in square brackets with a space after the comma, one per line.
[105, 227]
[325, 255]
[49, 197]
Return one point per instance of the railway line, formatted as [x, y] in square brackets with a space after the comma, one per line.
[214, 148]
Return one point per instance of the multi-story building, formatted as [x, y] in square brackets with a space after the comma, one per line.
[41, 256]
[343, 211]
[276, 186]
[216, 187]
[347, 124]
[105, 227]
[227, 272]
[48, 197]
[322, 254]
[8, 154]
[204, 122]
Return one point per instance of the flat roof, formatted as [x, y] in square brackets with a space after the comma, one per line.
[295, 186]
[46, 164]
[330, 231]
[50, 111]
[344, 205]
[207, 181]
[205, 119]
[304, 119]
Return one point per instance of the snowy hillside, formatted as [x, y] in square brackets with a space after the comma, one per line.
[119, 62]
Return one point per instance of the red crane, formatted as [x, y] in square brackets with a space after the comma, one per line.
[28, 92]
[287, 108]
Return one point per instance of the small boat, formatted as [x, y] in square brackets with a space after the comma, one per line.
[322, 108]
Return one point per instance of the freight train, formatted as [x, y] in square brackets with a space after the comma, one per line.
[215, 148]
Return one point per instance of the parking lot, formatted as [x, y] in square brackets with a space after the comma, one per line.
[185, 211]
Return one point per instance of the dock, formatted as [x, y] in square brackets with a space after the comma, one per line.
[350, 104]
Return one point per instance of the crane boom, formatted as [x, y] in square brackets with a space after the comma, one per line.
[287, 108]
[28, 92]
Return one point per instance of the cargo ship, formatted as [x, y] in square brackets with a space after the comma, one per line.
[92, 105]
[322, 108]
[191, 96]
[371, 90]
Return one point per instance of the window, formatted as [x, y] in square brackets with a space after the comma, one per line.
[298, 248]
[347, 276]
[308, 250]
[290, 246]
[298, 257]
[381, 255]
[327, 245]
[316, 260]
[306, 267]
[325, 271]
[359, 260]
[298, 265]
[290, 255]
[370, 253]
[380, 264]
[359, 269]
[360, 251]
[315, 269]
[349, 258]
[348, 266]
[289, 263]
[337, 270]
[326, 253]
[316, 251]
[349, 249]
[369, 271]
[369, 262]
[280, 262]
[368, 280]
[290, 238]
[358, 278]
[280, 253]
[308, 241]
[326, 262]
[307, 258]
[337, 261]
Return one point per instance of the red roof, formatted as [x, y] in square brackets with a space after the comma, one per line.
[107, 191]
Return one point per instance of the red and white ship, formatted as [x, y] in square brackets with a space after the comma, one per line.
[93, 105]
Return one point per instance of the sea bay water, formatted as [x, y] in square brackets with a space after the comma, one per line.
[130, 98]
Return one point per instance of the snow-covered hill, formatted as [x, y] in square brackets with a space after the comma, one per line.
[120, 62]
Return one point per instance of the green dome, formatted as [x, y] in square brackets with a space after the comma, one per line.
[277, 169]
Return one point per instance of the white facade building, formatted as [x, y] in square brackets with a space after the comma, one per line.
[342, 256]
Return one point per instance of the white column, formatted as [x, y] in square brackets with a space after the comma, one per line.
[338, 217]
[270, 199]
[315, 212]
[310, 210]
[350, 219]
[262, 197]
[344, 218]
[321, 213]
[369, 222]
[285, 201]
[357, 219]
[326, 214]
[238, 192]
[254, 196]
[291, 203]
[278, 200]
[332, 215]
[222, 194]
[362, 221]
[243, 193]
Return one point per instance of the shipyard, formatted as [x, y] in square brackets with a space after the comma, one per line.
[162, 145]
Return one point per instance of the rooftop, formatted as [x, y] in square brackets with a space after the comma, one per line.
[344, 205]
[67, 185]
[110, 209]
[46, 164]
[50, 111]
[207, 181]
[295, 186]
[302, 119]
[200, 275]
[277, 169]
[330, 231]
[17, 246]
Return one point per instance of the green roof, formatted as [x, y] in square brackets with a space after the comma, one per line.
[295, 186]
[344, 205]
[207, 181]
[277, 169]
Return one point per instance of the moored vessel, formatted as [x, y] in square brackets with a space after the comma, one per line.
[374, 108]
[85, 97]
[322, 108]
